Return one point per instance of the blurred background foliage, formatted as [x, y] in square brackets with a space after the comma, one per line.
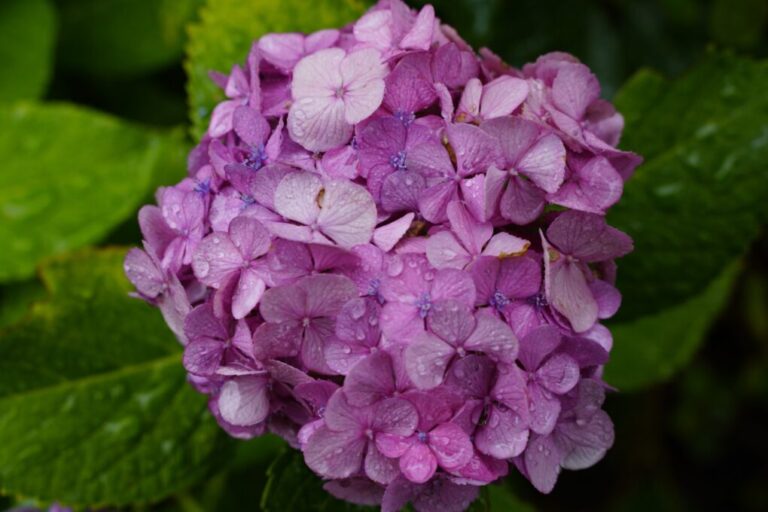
[95, 104]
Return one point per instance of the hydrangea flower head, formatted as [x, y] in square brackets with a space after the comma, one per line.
[391, 251]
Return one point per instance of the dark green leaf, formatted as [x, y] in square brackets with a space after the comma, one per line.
[27, 32]
[69, 175]
[227, 29]
[123, 37]
[652, 348]
[94, 404]
[738, 23]
[502, 500]
[699, 199]
[16, 299]
[292, 486]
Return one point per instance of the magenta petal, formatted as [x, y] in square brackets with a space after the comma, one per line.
[607, 296]
[484, 273]
[593, 188]
[334, 454]
[434, 201]
[451, 445]
[559, 374]
[392, 445]
[519, 277]
[504, 436]
[418, 464]
[472, 234]
[544, 163]
[250, 126]
[426, 361]
[249, 236]
[450, 284]
[341, 416]
[574, 89]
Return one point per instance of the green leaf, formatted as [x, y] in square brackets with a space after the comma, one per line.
[292, 486]
[94, 404]
[227, 29]
[699, 199]
[27, 30]
[652, 348]
[123, 37]
[738, 23]
[69, 175]
[16, 299]
[502, 500]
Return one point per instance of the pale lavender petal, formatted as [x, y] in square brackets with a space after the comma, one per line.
[544, 163]
[319, 124]
[363, 80]
[419, 37]
[568, 293]
[445, 251]
[249, 236]
[296, 197]
[347, 213]
[244, 401]
[250, 288]
[387, 236]
[504, 245]
[587, 440]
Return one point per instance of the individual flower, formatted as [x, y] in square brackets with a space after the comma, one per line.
[331, 91]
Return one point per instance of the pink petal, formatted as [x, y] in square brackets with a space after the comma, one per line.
[386, 237]
[568, 293]
[452, 322]
[493, 337]
[504, 245]
[347, 214]
[473, 234]
[559, 374]
[434, 201]
[502, 96]
[374, 28]
[544, 163]
[469, 104]
[418, 464]
[282, 50]
[444, 251]
[221, 118]
[363, 80]
[249, 290]
[426, 361]
[296, 197]
[574, 89]
[451, 445]
[244, 401]
[393, 446]
[215, 259]
[450, 284]
[504, 436]
[143, 273]
[318, 124]
[249, 236]
[419, 37]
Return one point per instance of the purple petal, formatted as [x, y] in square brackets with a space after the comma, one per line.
[537, 345]
[202, 356]
[379, 468]
[542, 463]
[334, 454]
[522, 202]
[559, 374]
[395, 416]
[504, 436]
[250, 237]
[371, 380]
[587, 440]
[418, 464]
[587, 237]
[452, 322]
[574, 89]
[426, 361]
[250, 288]
[544, 409]
[568, 293]
[475, 149]
[493, 337]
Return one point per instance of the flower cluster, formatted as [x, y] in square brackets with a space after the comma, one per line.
[391, 252]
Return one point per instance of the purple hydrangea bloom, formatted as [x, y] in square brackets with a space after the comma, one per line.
[392, 252]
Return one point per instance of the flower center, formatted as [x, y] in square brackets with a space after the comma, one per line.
[405, 117]
[422, 437]
[397, 161]
[424, 304]
[498, 300]
[256, 158]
